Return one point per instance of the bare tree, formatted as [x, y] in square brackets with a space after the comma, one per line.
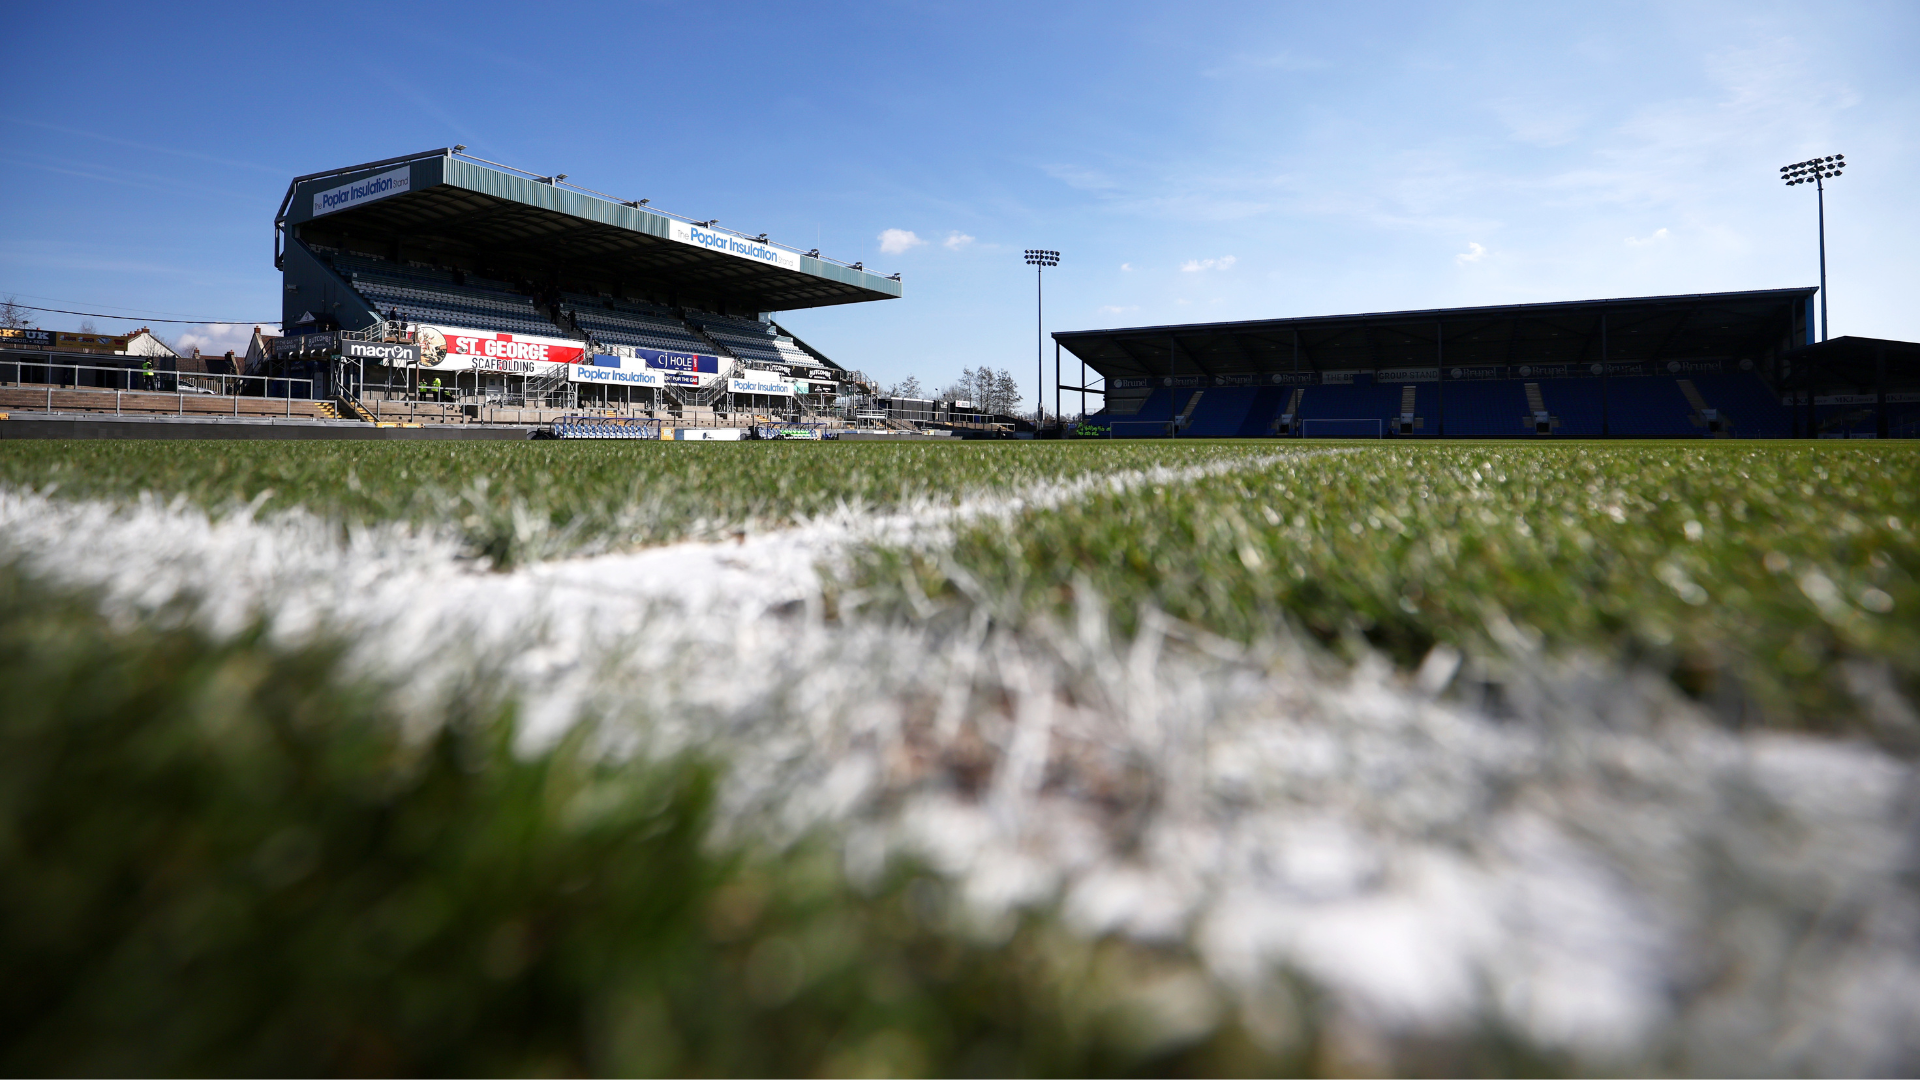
[86, 327]
[1006, 391]
[908, 387]
[990, 391]
[15, 317]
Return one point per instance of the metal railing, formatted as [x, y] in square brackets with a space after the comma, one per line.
[143, 390]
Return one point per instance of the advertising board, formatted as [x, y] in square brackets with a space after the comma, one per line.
[381, 352]
[367, 189]
[1407, 375]
[613, 376]
[38, 339]
[678, 361]
[759, 386]
[728, 244]
[448, 348]
[89, 342]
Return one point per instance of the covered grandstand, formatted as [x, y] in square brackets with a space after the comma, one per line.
[1739, 364]
[439, 278]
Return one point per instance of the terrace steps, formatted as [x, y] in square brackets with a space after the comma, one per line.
[152, 403]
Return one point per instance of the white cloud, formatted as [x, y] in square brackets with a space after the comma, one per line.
[1083, 179]
[1245, 63]
[895, 241]
[1118, 309]
[1530, 120]
[1128, 267]
[213, 339]
[1194, 266]
[1473, 254]
[955, 240]
[1658, 235]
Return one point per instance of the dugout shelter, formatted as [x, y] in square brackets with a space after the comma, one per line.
[1730, 364]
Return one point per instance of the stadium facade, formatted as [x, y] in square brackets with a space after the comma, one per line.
[441, 275]
[1731, 364]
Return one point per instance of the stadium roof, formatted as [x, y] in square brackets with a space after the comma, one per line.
[1690, 327]
[1855, 361]
[441, 206]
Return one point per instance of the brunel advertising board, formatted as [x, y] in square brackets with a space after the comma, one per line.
[448, 348]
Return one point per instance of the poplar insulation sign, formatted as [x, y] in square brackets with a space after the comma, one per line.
[395, 182]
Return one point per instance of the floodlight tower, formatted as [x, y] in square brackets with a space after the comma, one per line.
[1040, 259]
[1817, 171]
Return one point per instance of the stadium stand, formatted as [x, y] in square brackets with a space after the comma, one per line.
[616, 321]
[750, 339]
[1752, 409]
[52, 399]
[424, 295]
[1713, 365]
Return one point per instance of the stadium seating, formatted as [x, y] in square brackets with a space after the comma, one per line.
[1497, 408]
[750, 339]
[27, 400]
[1357, 409]
[632, 322]
[1575, 406]
[1752, 408]
[422, 295]
[1492, 409]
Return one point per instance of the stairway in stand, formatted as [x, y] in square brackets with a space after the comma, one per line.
[1186, 415]
[348, 408]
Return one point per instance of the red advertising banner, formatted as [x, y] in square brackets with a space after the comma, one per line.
[449, 348]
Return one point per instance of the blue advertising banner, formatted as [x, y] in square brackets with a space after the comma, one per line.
[679, 361]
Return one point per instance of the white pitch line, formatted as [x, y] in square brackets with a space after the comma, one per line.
[1604, 870]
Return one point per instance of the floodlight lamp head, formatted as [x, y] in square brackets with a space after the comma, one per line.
[459, 147]
[557, 177]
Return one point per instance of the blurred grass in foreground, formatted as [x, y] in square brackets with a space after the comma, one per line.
[221, 859]
[1777, 582]
[525, 500]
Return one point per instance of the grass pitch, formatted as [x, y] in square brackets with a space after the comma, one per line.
[243, 855]
[1775, 580]
[1778, 582]
[513, 501]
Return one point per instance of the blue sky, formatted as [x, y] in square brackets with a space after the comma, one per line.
[1191, 162]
